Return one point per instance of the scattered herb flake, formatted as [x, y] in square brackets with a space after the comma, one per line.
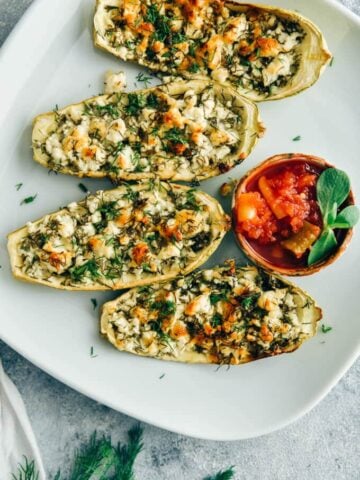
[145, 79]
[297, 138]
[28, 199]
[162, 376]
[325, 328]
[83, 188]
[92, 354]
[331, 62]
[94, 303]
[18, 186]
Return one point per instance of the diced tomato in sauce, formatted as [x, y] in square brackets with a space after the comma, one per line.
[275, 206]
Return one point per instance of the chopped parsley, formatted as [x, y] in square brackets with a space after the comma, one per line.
[28, 199]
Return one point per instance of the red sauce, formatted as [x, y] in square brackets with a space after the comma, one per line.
[275, 206]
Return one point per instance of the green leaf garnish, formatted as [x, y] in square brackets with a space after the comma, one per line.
[18, 186]
[347, 218]
[297, 138]
[332, 189]
[325, 245]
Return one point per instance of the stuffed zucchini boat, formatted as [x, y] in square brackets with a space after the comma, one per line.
[132, 235]
[266, 53]
[225, 315]
[184, 130]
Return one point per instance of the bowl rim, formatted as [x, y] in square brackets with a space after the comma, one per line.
[245, 245]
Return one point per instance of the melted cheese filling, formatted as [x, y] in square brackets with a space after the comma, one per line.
[148, 134]
[226, 316]
[256, 50]
[132, 232]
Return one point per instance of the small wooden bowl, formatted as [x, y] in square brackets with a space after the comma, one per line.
[245, 245]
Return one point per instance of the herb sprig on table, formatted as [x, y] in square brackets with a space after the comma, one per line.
[332, 189]
[99, 459]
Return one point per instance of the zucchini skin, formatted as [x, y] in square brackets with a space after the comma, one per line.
[312, 54]
[224, 315]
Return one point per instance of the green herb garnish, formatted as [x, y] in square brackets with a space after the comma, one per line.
[217, 297]
[109, 210]
[90, 267]
[249, 302]
[136, 103]
[152, 101]
[83, 188]
[176, 135]
[145, 79]
[194, 68]
[18, 186]
[332, 189]
[111, 109]
[94, 303]
[325, 328]
[28, 199]
[92, 354]
[162, 376]
[160, 22]
[216, 320]
[165, 307]
[297, 138]
[331, 62]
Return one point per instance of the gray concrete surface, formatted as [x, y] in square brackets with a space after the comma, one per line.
[323, 445]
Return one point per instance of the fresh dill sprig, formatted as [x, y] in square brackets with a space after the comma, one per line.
[127, 454]
[96, 458]
[145, 79]
[26, 471]
[227, 474]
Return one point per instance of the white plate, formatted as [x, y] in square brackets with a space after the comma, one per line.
[50, 59]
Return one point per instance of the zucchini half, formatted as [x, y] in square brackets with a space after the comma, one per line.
[186, 130]
[266, 53]
[130, 236]
[225, 315]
